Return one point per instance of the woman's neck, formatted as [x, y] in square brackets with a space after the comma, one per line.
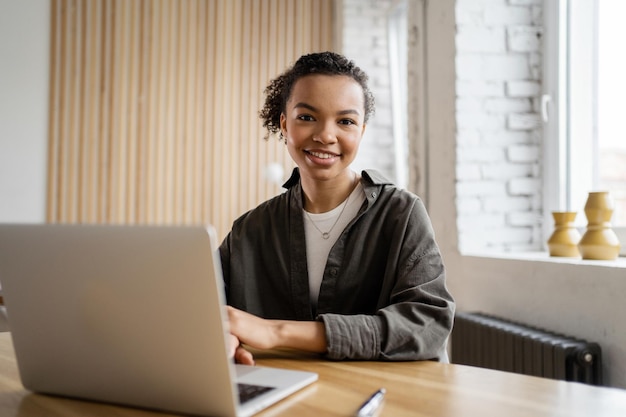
[323, 196]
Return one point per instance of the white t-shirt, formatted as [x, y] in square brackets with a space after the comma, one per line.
[318, 248]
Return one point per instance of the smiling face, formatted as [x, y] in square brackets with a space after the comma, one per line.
[323, 125]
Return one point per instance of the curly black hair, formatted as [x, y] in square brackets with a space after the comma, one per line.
[327, 63]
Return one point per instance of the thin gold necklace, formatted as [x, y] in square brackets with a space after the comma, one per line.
[326, 235]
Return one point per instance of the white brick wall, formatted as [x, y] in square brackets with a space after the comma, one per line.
[499, 150]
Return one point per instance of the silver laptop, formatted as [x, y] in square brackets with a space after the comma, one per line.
[131, 315]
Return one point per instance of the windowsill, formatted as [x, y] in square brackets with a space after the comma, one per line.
[620, 262]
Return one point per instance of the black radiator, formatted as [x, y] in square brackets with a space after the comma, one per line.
[491, 342]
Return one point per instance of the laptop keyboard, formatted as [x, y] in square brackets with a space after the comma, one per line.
[248, 392]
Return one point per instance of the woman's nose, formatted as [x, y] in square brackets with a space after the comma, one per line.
[325, 135]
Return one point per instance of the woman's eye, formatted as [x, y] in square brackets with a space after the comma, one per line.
[347, 122]
[305, 117]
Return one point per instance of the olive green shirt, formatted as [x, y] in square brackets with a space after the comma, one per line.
[383, 294]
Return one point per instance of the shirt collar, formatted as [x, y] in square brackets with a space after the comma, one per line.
[368, 177]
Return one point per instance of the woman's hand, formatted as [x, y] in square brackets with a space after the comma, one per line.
[252, 330]
[237, 352]
[268, 334]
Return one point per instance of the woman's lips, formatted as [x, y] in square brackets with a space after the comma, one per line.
[322, 158]
[322, 155]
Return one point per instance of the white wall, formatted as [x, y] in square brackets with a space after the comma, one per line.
[583, 299]
[24, 64]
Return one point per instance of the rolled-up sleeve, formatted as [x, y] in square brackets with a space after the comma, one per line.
[353, 337]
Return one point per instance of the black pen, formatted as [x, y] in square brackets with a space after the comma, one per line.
[372, 404]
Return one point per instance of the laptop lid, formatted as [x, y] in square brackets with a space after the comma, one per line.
[126, 314]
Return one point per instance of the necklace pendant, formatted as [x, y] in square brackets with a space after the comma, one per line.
[325, 235]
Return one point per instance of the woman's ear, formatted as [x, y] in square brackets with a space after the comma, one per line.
[283, 124]
[363, 129]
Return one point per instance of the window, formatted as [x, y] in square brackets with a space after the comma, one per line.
[584, 107]
[398, 55]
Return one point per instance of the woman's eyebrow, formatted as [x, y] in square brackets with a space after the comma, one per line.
[349, 111]
[312, 108]
[304, 105]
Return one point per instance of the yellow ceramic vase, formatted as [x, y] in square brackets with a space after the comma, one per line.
[599, 241]
[564, 240]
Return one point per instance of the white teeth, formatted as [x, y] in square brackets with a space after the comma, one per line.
[322, 155]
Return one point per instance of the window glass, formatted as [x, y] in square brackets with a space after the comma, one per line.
[611, 105]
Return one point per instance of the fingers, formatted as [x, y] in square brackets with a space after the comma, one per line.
[237, 352]
[242, 356]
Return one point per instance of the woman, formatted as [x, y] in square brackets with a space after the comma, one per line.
[341, 264]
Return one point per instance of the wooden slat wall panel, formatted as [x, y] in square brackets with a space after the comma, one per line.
[154, 105]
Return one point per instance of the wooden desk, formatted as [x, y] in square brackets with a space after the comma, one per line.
[413, 389]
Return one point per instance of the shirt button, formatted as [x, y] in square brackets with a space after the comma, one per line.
[333, 271]
[374, 195]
